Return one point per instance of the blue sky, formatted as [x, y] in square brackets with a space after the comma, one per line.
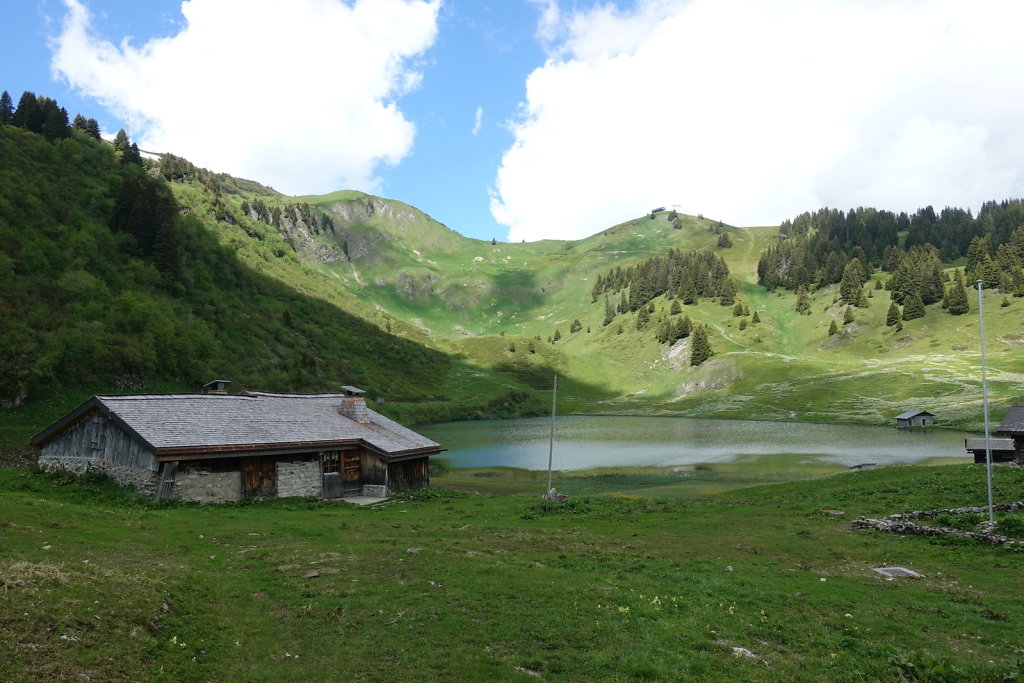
[533, 119]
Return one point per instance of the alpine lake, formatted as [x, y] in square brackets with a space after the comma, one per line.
[670, 457]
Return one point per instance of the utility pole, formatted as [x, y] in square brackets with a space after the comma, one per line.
[551, 442]
[984, 403]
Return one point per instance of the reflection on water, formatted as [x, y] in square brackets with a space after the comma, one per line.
[584, 442]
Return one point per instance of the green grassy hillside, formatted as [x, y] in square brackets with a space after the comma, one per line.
[484, 298]
[109, 283]
[474, 585]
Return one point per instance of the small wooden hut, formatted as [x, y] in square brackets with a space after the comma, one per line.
[1013, 426]
[915, 418]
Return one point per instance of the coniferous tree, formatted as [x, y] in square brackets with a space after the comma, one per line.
[642, 318]
[848, 315]
[743, 323]
[558, 335]
[92, 127]
[700, 347]
[913, 308]
[121, 142]
[675, 309]
[728, 295]
[893, 316]
[803, 302]
[55, 120]
[724, 241]
[756, 319]
[28, 114]
[738, 310]
[852, 282]
[683, 327]
[832, 328]
[80, 123]
[957, 303]
[6, 109]
[609, 311]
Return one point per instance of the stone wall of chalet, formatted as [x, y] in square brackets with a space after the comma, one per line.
[298, 477]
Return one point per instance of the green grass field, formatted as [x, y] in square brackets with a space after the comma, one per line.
[485, 583]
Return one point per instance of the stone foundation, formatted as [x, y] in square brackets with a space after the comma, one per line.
[298, 478]
[375, 490]
[143, 481]
[203, 485]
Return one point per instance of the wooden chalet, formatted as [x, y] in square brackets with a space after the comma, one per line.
[217, 447]
[1002, 449]
[915, 418]
[1013, 426]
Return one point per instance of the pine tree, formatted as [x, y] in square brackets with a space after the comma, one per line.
[121, 142]
[756, 319]
[683, 327]
[676, 309]
[832, 328]
[894, 315]
[738, 310]
[724, 242]
[6, 109]
[609, 311]
[92, 127]
[913, 308]
[728, 294]
[743, 323]
[700, 347]
[29, 115]
[803, 302]
[848, 315]
[850, 285]
[558, 335]
[642, 318]
[956, 298]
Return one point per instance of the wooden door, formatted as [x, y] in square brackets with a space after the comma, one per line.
[351, 472]
[330, 475]
[259, 477]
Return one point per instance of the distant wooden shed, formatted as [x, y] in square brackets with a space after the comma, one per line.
[1002, 449]
[216, 447]
[915, 418]
[1013, 426]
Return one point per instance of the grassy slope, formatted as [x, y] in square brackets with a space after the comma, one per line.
[786, 366]
[489, 587]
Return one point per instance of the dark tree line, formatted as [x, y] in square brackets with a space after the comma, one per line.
[814, 248]
[44, 116]
[687, 276]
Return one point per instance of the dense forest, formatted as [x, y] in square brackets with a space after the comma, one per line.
[107, 282]
[817, 249]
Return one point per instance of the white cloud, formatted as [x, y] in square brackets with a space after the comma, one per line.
[478, 120]
[299, 95]
[752, 112]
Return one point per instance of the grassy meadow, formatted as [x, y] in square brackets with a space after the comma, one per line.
[480, 582]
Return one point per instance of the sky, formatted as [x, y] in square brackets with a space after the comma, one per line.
[523, 120]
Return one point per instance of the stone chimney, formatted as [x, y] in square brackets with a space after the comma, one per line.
[217, 386]
[353, 405]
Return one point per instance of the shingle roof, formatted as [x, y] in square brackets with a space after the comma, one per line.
[203, 422]
[1013, 423]
[996, 444]
[913, 413]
